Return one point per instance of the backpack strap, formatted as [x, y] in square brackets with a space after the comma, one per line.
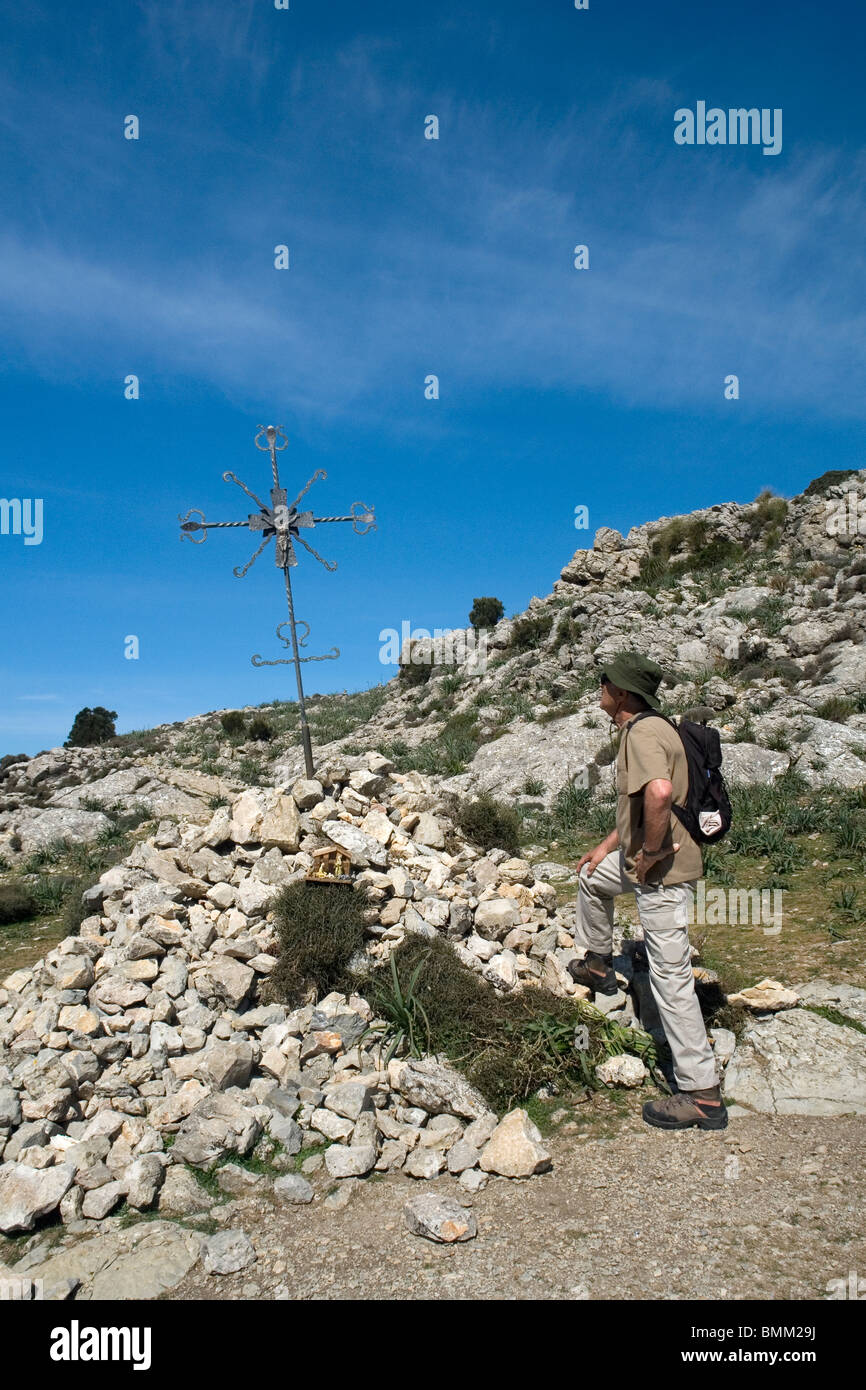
[679, 811]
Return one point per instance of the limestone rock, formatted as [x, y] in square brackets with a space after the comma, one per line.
[350, 1160]
[227, 979]
[307, 792]
[766, 997]
[440, 1219]
[461, 1156]
[363, 850]
[424, 1163]
[102, 1200]
[140, 1263]
[429, 832]
[439, 1089]
[238, 1181]
[514, 1149]
[28, 1193]
[847, 999]
[622, 1070]
[798, 1063]
[181, 1195]
[225, 1064]
[495, 917]
[142, 1181]
[42, 829]
[292, 1188]
[227, 1252]
[218, 1125]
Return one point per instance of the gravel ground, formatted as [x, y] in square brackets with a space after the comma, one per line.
[771, 1208]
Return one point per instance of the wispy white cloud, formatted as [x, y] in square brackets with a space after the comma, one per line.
[464, 268]
[38, 697]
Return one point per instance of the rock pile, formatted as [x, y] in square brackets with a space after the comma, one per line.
[141, 1047]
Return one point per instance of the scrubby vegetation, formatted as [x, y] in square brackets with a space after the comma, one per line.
[508, 1046]
[488, 823]
[320, 928]
[819, 487]
[530, 632]
[233, 722]
[696, 548]
[447, 754]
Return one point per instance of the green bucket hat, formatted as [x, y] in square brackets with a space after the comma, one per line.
[636, 673]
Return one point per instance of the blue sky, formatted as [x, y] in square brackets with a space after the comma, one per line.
[558, 387]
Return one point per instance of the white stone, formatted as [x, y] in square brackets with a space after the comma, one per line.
[515, 1149]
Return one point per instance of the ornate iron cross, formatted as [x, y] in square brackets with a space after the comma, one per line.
[285, 523]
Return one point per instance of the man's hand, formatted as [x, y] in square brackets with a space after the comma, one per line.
[593, 857]
[645, 860]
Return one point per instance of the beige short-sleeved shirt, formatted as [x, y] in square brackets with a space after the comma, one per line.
[651, 749]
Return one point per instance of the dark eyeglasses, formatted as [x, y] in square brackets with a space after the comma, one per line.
[602, 679]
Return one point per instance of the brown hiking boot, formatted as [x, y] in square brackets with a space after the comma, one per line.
[688, 1108]
[596, 972]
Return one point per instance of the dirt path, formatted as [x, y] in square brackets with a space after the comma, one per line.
[770, 1209]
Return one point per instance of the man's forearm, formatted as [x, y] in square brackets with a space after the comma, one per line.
[656, 820]
[610, 842]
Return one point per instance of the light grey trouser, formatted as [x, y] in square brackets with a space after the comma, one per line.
[663, 914]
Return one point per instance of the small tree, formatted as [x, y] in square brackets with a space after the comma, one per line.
[486, 612]
[91, 726]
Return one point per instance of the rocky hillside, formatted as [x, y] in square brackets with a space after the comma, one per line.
[152, 1059]
[757, 613]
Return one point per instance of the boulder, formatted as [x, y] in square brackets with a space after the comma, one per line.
[363, 850]
[228, 1252]
[142, 1181]
[515, 1150]
[281, 825]
[440, 1219]
[102, 1200]
[292, 1188]
[181, 1194]
[225, 1064]
[238, 1181]
[622, 1070]
[350, 1160]
[766, 997]
[228, 979]
[424, 1163]
[429, 832]
[217, 1126]
[307, 792]
[495, 917]
[798, 1063]
[439, 1089]
[28, 1193]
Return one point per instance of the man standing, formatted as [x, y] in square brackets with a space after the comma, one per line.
[650, 854]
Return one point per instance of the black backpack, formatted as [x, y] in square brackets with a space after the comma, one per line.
[707, 790]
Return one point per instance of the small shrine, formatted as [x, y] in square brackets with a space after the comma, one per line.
[331, 865]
